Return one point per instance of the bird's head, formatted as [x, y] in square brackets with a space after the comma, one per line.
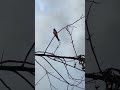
[54, 29]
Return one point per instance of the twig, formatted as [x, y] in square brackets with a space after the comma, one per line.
[28, 54]
[24, 79]
[5, 84]
[2, 56]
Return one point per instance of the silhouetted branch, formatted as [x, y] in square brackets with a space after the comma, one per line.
[56, 70]
[5, 84]
[25, 79]
[60, 61]
[40, 79]
[108, 76]
[67, 61]
[28, 54]
[48, 72]
[63, 29]
[111, 76]
[89, 37]
[15, 66]
[17, 62]
[71, 40]
[2, 57]
[56, 56]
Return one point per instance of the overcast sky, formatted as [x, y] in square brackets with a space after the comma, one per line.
[104, 22]
[51, 14]
[16, 36]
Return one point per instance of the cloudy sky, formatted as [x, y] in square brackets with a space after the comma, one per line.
[16, 36]
[56, 14]
[104, 22]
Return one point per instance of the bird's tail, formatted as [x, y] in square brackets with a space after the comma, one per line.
[58, 39]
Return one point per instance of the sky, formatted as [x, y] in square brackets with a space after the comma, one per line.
[104, 22]
[16, 36]
[56, 14]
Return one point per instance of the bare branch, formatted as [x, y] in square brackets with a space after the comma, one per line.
[5, 84]
[28, 54]
[25, 79]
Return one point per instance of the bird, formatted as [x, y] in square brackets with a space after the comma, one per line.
[56, 34]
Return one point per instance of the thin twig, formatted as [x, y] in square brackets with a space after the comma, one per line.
[28, 54]
[5, 84]
[24, 79]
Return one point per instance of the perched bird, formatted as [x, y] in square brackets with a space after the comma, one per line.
[56, 34]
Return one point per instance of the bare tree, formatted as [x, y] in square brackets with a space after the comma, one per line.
[17, 67]
[76, 62]
[110, 76]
